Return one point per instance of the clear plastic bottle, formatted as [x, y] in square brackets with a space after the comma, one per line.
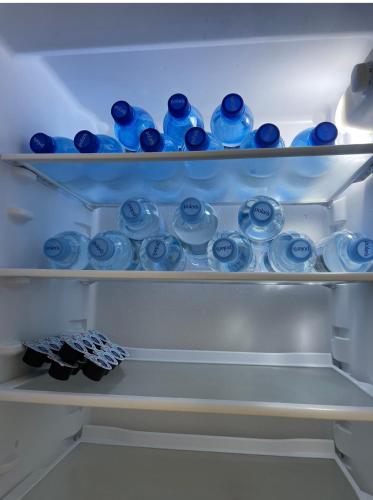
[41, 143]
[290, 252]
[152, 141]
[162, 252]
[266, 136]
[67, 250]
[230, 252]
[138, 218]
[196, 139]
[195, 223]
[130, 121]
[345, 251]
[181, 116]
[325, 133]
[261, 218]
[86, 142]
[112, 250]
[232, 121]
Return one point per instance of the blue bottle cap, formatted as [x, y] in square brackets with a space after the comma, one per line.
[361, 250]
[151, 140]
[178, 105]
[224, 249]
[324, 133]
[267, 135]
[86, 142]
[299, 250]
[156, 249]
[42, 143]
[190, 209]
[132, 211]
[196, 139]
[56, 248]
[262, 213]
[122, 112]
[101, 248]
[232, 105]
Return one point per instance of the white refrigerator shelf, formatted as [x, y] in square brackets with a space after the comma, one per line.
[290, 175]
[23, 275]
[156, 466]
[250, 387]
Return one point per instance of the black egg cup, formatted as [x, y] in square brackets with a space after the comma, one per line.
[70, 355]
[34, 358]
[60, 371]
[93, 371]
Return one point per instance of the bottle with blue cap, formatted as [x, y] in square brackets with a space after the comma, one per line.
[232, 121]
[87, 142]
[345, 251]
[163, 252]
[195, 224]
[181, 116]
[261, 219]
[67, 250]
[112, 250]
[196, 139]
[138, 218]
[41, 143]
[290, 253]
[231, 252]
[266, 136]
[324, 134]
[130, 121]
[152, 141]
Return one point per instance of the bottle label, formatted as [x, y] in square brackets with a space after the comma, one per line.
[300, 249]
[156, 249]
[131, 210]
[262, 212]
[365, 248]
[223, 249]
[53, 247]
[191, 207]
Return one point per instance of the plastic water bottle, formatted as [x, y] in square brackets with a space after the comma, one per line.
[325, 133]
[290, 252]
[152, 141]
[68, 250]
[261, 218]
[266, 136]
[162, 252]
[345, 251]
[139, 218]
[232, 121]
[195, 224]
[43, 144]
[113, 250]
[86, 142]
[130, 121]
[181, 116]
[230, 252]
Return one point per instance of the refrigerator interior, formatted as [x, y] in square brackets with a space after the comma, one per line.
[275, 378]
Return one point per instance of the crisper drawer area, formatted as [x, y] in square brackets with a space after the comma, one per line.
[138, 466]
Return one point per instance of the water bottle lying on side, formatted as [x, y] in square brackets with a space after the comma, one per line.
[345, 251]
[68, 250]
[266, 136]
[86, 142]
[290, 253]
[181, 116]
[230, 252]
[195, 223]
[196, 139]
[162, 252]
[130, 121]
[232, 121]
[43, 144]
[138, 218]
[261, 218]
[112, 250]
[325, 133]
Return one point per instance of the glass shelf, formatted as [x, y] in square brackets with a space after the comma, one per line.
[290, 175]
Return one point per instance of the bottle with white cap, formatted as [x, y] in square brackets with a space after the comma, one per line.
[195, 223]
[68, 250]
[139, 218]
[231, 252]
[163, 252]
[261, 219]
[345, 251]
[290, 252]
[112, 250]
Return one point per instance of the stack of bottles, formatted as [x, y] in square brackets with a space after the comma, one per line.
[92, 353]
[258, 243]
[231, 124]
